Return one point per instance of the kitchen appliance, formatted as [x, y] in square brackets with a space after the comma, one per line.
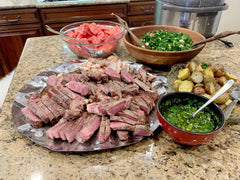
[202, 16]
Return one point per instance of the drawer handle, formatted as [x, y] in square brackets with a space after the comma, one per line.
[147, 10]
[12, 20]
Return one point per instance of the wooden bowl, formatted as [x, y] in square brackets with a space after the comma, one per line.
[162, 57]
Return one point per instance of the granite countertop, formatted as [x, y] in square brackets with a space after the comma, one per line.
[12, 4]
[152, 158]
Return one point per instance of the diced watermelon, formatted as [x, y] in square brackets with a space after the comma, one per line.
[94, 29]
[94, 34]
[72, 34]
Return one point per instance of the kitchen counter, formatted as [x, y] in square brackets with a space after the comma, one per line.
[12, 4]
[152, 158]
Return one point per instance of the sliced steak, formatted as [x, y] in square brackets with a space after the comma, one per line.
[137, 116]
[57, 98]
[114, 107]
[112, 74]
[131, 89]
[142, 130]
[122, 119]
[149, 101]
[97, 108]
[142, 104]
[76, 127]
[91, 124]
[72, 95]
[141, 84]
[78, 87]
[62, 131]
[104, 130]
[52, 80]
[53, 132]
[55, 108]
[94, 76]
[123, 135]
[143, 75]
[121, 126]
[126, 77]
[103, 89]
[75, 110]
[33, 119]
[34, 107]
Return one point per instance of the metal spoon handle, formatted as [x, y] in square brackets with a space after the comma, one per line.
[222, 90]
[229, 109]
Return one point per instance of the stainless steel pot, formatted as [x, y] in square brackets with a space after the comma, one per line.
[202, 16]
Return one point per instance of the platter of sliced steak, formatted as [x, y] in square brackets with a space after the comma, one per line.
[89, 105]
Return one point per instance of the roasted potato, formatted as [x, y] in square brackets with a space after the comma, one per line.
[207, 79]
[210, 88]
[186, 86]
[183, 74]
[218, 70]
[223, 98]
[230, 76]
[196, 77]
[208, 72]
[199, 68]
[176, 84]
[191, 66]
[206, 95]
[222, 80]
[199, 90]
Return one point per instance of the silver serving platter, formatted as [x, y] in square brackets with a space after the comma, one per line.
[38, 83]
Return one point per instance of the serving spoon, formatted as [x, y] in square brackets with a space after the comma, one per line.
[125, 25]
[222, 90]
[216, 37]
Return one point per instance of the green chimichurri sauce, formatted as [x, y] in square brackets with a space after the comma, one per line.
[167, 41]
[181, 116]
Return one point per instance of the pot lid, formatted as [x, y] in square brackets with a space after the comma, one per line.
[194, 3]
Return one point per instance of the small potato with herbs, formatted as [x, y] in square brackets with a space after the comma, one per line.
[204, 79]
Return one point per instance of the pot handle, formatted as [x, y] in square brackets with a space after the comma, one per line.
[194, 9]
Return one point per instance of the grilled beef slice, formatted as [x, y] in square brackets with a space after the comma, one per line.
[78, 87]
[112, 74]
[121, 126]
[52, 80]
[123, 135]
[114, 107]
[76, 127]
[142, 130]
[91, 124]
[33, 119]
[72, 95]
[104, 130]
[34, 107]
[57, 98]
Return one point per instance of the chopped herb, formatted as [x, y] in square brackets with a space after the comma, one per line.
[167, 41]
[204, 65]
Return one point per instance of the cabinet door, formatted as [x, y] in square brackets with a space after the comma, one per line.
[12, 41]
[59, 17]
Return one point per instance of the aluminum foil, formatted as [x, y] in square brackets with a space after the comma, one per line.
[38, 83]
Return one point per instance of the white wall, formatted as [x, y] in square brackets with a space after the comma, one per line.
[230, 20]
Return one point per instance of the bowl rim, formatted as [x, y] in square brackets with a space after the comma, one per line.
[190, 132]
[92, 21]
[200, 46]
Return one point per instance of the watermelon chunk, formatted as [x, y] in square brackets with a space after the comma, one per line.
[94, 34]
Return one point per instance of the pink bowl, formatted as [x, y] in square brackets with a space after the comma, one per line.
[186, 137]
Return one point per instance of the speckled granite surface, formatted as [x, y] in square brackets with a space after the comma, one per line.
[158, 158]
[11, 4]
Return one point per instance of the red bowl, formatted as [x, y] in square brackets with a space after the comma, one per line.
[187, 137]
